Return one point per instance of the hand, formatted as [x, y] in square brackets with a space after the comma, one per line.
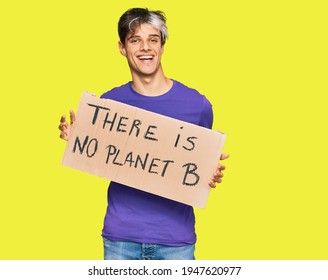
[217, 176]
[64, 127]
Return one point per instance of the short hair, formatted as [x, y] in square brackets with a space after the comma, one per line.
[133, 18]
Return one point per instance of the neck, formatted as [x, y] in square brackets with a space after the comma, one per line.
[152, 85]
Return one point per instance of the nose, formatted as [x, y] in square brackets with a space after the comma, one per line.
[145, 46]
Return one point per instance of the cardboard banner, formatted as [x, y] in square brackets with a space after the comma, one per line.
[143, 150]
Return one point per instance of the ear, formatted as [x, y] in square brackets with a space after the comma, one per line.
[121, 48]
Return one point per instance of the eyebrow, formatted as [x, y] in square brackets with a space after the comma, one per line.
[137, 36]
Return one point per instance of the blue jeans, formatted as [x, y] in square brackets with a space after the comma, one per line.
[123, 250]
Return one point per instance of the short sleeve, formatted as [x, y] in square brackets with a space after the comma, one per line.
[206, 118]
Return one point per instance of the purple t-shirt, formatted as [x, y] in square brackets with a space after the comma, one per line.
[138, 216]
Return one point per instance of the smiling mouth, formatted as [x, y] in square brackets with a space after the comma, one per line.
[146, 57]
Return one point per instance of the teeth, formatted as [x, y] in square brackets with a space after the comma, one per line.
[145, 57]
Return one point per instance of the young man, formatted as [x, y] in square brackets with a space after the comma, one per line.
[140, 225]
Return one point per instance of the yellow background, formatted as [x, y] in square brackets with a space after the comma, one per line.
[262, 64]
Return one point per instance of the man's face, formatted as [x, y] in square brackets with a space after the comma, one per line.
[143, 50]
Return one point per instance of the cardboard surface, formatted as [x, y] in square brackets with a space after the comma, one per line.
[144, 150]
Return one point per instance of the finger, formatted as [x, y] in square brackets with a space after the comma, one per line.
[224, 156]
[63, 135]
[218, 175]
[214, 181]
[217, 179]
[221, 167]
[72, 116]
[63, 126]
[63, 118]
[212, 184]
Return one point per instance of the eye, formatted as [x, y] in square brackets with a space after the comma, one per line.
[134, 41]
[154, 40]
